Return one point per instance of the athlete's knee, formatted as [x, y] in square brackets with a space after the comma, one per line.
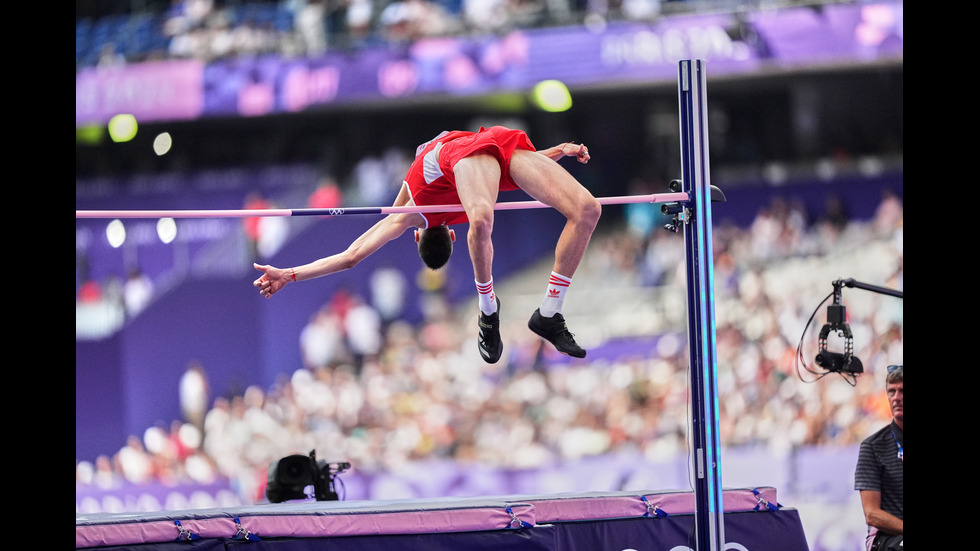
[589, 210]
[480, 220]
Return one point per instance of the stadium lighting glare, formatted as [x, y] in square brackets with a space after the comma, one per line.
[90, 134]
[115, 232]
[166, 230]
[162, 144]
[122, 128]
[552, 96]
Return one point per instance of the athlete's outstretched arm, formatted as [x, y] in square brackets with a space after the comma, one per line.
[567, 149]
[274, 279]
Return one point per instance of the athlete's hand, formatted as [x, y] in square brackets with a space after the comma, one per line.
[579, 151]
[272, 280]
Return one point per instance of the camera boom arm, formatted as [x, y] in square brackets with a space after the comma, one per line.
[837, 321]
[867, 287]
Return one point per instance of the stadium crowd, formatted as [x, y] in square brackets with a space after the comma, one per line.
[110, 33]
[389, 393]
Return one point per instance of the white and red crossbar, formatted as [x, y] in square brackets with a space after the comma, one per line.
[340, 211]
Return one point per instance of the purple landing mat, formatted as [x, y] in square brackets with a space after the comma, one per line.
[746, 531]
[491, 517]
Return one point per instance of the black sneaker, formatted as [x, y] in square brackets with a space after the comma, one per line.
[489, 338]
[553, 330]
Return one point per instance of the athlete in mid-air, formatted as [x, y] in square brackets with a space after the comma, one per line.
[470, 169]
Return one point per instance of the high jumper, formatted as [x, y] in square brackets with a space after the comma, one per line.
[470, 169]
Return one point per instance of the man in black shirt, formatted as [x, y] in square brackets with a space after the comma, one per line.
[879, 475]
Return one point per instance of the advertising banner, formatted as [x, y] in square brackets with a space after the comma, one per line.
[163, 90]
[624, 53]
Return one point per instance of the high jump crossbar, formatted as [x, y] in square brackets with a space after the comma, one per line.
[681, 197]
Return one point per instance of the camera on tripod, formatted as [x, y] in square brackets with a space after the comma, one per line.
[302, 477]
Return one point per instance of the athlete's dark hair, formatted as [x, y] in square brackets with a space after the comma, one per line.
[435, 246]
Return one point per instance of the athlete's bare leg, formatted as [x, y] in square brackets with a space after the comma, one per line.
[477, 183]
[547, 181]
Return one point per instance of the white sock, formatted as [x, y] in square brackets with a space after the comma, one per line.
[488, 300]
[554, 297]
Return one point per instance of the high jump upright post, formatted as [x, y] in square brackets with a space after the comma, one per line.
[696, 181]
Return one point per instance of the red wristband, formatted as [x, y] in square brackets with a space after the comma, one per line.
[294, 273]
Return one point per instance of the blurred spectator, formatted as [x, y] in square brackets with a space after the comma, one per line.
[526, 13]
[642, 219]
[253, 224]
[410, 20]
[84, 473]
[112, 292]
[203, 30]
[888, 215]
[216, 421]
[321, 340]
[218, 38]
[194, 393]
[337, 19]
[396, 22]
[311, 25]
[200, 468]
[106, 476]
[265, 234]
[485, 16]
[89, 292]
[744, 30]
[659, 259]
[363, 328]
[184, 25]
[327, 195]
[359, 19]
[133, 462]
[373, 180]
[273, 233]
[188, 14]
[641, 10]
[99, 308]
[836, 213]
[764, 234]
[388, 289]
[137, 291]
[109, 56]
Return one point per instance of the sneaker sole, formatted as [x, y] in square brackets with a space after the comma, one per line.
[543, 336]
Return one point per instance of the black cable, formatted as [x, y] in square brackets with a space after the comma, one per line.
[850, 379]
[799, 347]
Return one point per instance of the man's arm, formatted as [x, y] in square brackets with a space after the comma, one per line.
[274, 279]
[567, 149]
[875, 516]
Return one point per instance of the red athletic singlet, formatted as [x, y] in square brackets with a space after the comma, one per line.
[431, 180]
